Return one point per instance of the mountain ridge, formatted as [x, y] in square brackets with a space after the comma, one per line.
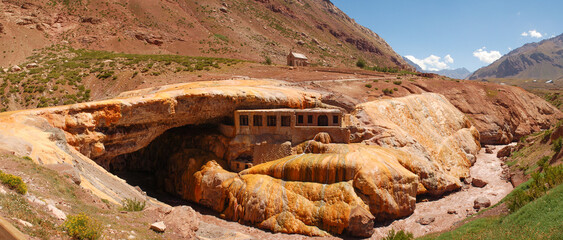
[458, 73]
[541, 60]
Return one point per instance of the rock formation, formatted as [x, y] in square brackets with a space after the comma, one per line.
[439, 136]
[501, 113]
[425, 146]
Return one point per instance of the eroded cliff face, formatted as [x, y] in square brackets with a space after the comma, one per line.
[424, 146]
[501, 113]
[428, 127]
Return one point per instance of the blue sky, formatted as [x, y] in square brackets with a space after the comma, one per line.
[457, 33]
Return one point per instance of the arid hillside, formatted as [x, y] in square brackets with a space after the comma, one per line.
[254, 30]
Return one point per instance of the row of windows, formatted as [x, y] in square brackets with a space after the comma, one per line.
[321, 121]
[271, 120]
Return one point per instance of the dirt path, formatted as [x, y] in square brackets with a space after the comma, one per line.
[488, 168]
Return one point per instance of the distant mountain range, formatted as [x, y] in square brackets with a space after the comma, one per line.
[543, 60]
[460, 73]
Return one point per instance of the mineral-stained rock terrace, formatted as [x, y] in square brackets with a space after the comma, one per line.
[419, 144]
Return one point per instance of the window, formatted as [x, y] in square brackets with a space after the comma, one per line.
[300, 119]
[334, 120]
[244, 120]
[309, 119]
[286, 121]
[257, 120]
[271, 121]
[322, 120]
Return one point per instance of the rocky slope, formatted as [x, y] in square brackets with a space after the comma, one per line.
[543, 60]
[344, 197]
[500, 113]
[243, 29]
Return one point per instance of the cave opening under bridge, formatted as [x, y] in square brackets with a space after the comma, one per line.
[161, 169]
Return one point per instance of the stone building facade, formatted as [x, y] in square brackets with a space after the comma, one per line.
[297, 60]
[272, 132]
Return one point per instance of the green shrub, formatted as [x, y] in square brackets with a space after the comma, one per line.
[368, 85]
[105, 74]
[400, 235]
[397, 82]
[387, 91]
[361, 63]
[13, 182]
[543, 162]
[546, 135]
[518, 199]
[267, 60]
[82, 227]
[537, 187]
[557, 145]
[132, 205]
[221, 37]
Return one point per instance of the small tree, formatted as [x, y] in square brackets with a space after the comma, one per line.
[267, 60]
[361, 63]
[557, 144]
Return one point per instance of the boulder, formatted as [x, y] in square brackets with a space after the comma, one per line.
[183, 220]
[57, 213]
[158, 226]
[16, 68]
[425, 220]
[481, 202]
[32, 65]
[149, 38]
[505, 151]
[26, 20]
[35, 200]
[223, 9]
[359, 219]
[477, 182]
[468, 180]
[452, 211]
[488, 150]
[91, 20]
[322, 137]
[25, 223]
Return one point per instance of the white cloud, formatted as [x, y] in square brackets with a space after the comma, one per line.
[432, 62]
[486, 56]
[448, 59]
[532, 33]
